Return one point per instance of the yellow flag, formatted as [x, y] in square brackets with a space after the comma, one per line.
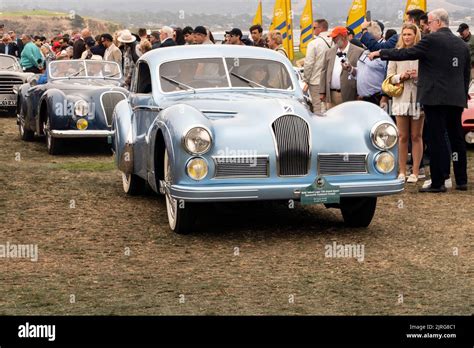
[306, 26]
[415, 4]
[290, 43]
[258, 19]
[357, 15]
[282, 21]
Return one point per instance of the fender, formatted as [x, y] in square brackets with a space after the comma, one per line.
[177, 119]
[124, 136]
[51, 98]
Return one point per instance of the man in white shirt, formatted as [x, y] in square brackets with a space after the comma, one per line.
[335, 85]
[313, 62]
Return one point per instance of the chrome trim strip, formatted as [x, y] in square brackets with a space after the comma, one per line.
[81, 133]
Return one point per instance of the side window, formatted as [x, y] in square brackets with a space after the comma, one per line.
[143, 79]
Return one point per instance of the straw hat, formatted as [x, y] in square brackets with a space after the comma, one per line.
[126, 37]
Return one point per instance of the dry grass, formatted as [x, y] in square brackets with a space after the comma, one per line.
[82, 251]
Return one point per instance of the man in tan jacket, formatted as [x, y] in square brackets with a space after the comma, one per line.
[335, 86]
[313, 63]
[112, 52]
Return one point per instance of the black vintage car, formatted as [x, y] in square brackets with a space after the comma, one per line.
[11, 76]
[77, 100]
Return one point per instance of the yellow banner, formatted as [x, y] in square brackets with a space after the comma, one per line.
[415, 4]
[306, 26]
[258, 19]
[356, 15]
[282, 21]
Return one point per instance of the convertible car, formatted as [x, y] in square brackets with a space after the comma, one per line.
[222, 124]
[11, 76]
[77, 101]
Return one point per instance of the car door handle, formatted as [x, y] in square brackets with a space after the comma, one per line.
[147, 108]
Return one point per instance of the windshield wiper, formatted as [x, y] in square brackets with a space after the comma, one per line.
[77, 73]
[112, 75]
[248, 81]
[177, 83]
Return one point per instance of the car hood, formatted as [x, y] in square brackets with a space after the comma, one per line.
[243, 109]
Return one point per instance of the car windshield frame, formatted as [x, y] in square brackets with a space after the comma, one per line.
[84, 63]
[229, 87]
[14, 63]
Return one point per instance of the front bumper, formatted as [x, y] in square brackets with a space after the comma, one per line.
[81, 133]
[278, 191]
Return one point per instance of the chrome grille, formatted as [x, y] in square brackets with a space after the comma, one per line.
[241, 167]
[108, 101]
[293, 148]
[340, 164]
[7, 83]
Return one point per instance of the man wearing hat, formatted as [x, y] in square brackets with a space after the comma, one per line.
[335, 86]
[235, 37]
[466, 35]
[200, 36]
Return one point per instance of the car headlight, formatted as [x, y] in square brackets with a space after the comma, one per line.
[82, 124]
[384, 136]
[385, 162]
[81, 108]
[197, 141]
[197, 168]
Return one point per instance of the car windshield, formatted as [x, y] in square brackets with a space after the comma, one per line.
[192, 74]
[9, 63]
[84, 69]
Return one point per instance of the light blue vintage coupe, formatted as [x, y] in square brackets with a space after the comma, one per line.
[219, 123]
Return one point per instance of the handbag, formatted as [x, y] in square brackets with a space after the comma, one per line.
[390, 89]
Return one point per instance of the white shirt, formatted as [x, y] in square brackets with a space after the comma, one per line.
[337, 71]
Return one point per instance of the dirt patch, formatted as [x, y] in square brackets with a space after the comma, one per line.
[101, 252]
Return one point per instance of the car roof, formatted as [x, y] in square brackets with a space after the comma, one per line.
[157, 56]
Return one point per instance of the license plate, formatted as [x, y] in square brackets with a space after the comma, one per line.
[7, 102]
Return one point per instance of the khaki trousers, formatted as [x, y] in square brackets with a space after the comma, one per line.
[318, 106]
[336, 99]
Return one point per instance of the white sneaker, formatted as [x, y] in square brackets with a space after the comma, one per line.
[402, 176]
[421, 174]
[448, 183]
[412, 179]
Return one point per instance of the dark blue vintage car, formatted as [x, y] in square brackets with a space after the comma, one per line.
[77, 101]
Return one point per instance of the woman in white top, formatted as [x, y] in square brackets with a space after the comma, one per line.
[405, 107]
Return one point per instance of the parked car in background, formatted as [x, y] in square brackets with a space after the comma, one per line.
[11, 76]
[468, 117]
[225, 123]
[77, 101]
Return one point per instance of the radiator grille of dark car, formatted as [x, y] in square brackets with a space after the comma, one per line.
[293, 148]
[340, 164]
[241, 167]
[7, 83]
[109, 100]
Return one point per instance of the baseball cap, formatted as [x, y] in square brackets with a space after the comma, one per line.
[462, 27]
[236, 32]
[338, 31]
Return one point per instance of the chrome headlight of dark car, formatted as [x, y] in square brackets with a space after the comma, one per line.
[197, 141]
[384, 135]
[81, 108]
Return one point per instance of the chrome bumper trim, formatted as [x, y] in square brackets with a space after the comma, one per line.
[81, 133]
